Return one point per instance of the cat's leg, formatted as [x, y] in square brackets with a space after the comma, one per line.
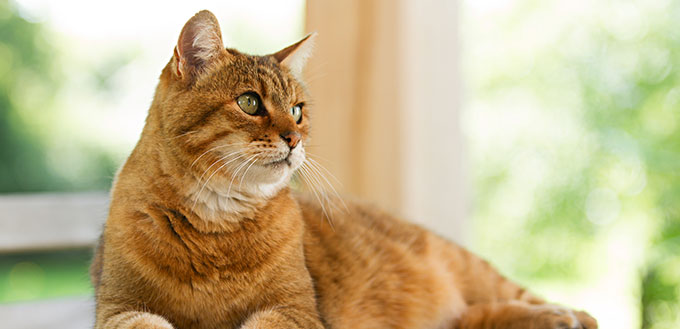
[482, 283]
[519, 315]
[283, 317]
[494, 299]
[134, 320]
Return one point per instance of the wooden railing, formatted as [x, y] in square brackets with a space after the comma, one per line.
[49, 222]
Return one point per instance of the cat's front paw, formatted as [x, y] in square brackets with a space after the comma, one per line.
[557, 317]
[587, 321]
[145, 321]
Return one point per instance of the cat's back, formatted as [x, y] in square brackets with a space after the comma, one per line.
[372, 270]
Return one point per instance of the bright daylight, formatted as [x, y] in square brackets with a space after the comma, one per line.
[542, 136]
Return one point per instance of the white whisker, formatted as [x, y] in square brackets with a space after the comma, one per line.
[316, 155]
[314, 175]
[210, 150]
[218, 160]
[235, 173]
[310, 183]
[324, 169]
[315, 166]
[246, 172]
[182, 135]
[213, 174]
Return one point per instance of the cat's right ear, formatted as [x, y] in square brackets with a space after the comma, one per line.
[199, 45]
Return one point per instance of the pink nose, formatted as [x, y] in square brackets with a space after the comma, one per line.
[292, 138]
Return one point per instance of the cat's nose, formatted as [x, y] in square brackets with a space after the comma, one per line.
[292, 138]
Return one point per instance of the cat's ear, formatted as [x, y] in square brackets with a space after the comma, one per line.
[295, 56]
[200, 43]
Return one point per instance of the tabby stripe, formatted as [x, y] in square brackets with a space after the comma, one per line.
[174, 231]
[292, 319]
[200, 147]
[282, 83]
[201, 120]
[170, 221]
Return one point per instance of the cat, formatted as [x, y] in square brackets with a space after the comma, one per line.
[204, 231]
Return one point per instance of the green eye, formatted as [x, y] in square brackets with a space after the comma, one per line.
[296, 112]
[248, 102]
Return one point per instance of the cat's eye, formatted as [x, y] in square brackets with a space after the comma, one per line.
[296, 112]
[249, 103]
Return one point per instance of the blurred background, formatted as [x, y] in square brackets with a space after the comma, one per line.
[542, 135]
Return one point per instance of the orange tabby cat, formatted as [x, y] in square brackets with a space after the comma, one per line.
[204, 232]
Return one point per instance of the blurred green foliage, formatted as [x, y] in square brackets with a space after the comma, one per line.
[30, 276]
[575, 144]
[23, 53]
[30, 81]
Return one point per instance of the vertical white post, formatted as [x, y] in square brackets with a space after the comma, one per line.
[434, 193]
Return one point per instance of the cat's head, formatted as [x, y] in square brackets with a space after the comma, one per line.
[238, 123]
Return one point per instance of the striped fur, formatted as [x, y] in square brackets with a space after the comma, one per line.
[204, 233]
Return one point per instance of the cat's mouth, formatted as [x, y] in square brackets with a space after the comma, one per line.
[280, 162]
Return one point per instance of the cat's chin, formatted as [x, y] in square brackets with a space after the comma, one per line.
[245, 190]
[268, 174]
[212, 202]
[276, 172]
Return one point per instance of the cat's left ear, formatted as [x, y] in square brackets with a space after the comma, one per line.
[295, 56]
[199, 45]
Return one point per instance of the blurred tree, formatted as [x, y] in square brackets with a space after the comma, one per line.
[23, 166]
[577, 138]
[29, 82]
